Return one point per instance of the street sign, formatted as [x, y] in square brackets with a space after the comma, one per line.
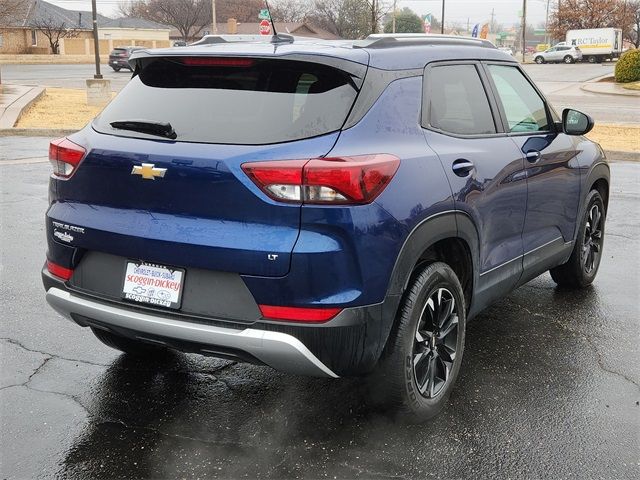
[539, 32]
[265, 27]
[264, 14]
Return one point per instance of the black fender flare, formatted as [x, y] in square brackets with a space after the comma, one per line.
[447, 224]
[599, 171]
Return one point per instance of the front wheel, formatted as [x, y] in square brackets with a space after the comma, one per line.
[421, 361]
[568, 59]
[539, 60]
[582, 267]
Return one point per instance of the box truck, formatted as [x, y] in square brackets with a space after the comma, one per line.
[597, 44]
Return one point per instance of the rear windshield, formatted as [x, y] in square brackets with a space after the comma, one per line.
[233, 100]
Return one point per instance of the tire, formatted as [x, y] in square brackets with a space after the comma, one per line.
[582, 267]
[419, 367]
[592, 59]
[568, 59]
[131, 347]
[539, 60]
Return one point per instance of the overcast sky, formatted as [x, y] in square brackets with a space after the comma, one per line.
[476, 11]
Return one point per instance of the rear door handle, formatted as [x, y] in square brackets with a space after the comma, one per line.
[533, 156]
[462, 167]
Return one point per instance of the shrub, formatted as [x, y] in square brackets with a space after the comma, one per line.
[628, 67]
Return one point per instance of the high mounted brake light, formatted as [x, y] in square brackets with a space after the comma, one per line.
[216, 61]
[330, 181]
[65, 156]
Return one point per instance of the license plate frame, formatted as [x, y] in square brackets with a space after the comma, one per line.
[152, 284]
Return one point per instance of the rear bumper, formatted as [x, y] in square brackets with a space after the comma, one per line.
[278, 350]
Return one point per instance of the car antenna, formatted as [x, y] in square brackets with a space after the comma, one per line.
[275, 37]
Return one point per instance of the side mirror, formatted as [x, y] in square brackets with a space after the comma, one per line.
[575, 122]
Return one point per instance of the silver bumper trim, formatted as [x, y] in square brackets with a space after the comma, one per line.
[278, 350]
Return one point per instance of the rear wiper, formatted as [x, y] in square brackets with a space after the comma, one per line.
[161, 129]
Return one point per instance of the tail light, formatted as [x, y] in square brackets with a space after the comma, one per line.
[59, 271]
[298, 314]
[65, 156]
[341, 180]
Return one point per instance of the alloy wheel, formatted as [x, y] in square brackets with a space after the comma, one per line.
[435, 343]
[592, 243]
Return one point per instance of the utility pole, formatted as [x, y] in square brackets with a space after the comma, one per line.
[393, 22]
[214, 23]
[493, 15]
[468, 19]
[546, 27]
[96, 44]
[442, 21]
[524, 28]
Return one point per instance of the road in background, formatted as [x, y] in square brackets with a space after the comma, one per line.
[549, 385]
[559, 82]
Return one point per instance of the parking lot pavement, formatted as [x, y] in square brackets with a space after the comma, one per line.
[549, 385]
[61, 75]
[561, 84]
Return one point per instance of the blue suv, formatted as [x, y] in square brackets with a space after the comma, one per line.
[325, 208]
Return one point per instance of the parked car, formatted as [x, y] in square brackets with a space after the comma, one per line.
[559, 53]
[322, 208]
[179, 43]
[506, 50]
[119, 57]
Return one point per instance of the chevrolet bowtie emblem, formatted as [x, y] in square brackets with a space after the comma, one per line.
[148, 171]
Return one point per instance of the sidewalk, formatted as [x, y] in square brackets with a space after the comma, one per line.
[609, 88]
[13, 100]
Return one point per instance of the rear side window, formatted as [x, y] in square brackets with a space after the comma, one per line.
[523, 107]
[458, 102]
[233, 100]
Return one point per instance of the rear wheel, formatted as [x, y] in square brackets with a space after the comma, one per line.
[423, 356]
[539, 60]
[592, 59]
[127, 345]
[568, 59]
[582, 267]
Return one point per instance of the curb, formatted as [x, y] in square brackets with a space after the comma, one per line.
[621, 156]
[36, 132]
[586, 88]
[13, 112]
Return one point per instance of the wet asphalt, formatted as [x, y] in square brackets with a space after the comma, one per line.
[549, 386]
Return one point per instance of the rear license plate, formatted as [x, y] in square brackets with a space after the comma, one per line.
[153, 284]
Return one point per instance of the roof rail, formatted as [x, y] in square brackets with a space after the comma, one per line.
[217, 39]
[386, 40]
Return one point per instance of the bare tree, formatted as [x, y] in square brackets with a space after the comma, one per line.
[345, 18]
[290, 10]
[54, 30]
[633, 31]
[378, 9]
[578, 14]
[189, 17]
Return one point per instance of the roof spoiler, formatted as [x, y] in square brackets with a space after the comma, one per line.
[217, 39]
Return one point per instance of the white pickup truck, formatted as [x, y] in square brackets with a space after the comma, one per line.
[596, 44]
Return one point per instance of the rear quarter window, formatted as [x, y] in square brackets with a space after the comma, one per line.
[247, 102]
